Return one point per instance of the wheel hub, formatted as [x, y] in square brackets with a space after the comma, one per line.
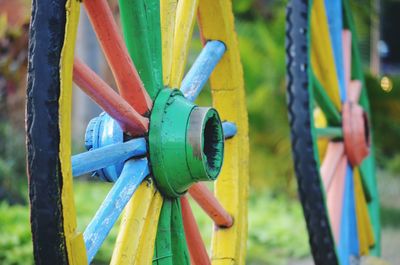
[186, 143]
[355, 132]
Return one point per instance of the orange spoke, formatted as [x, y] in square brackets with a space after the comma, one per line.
[198, 252]
[207, 201]
[128, 81]
[112, 103]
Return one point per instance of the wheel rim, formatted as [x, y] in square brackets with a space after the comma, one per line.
[147, 205]
[347, 187]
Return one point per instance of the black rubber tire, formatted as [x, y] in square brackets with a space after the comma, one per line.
[42, 129]
[300, 115]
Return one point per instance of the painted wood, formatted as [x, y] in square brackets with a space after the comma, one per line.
[333, 172]
[132, 174]
[348, 244]
[334, 12]
[107, 156]
[168, 15]
[185, 19]
[229, 129]
[210, 204]
[109, 100]
[330, 163]
[322, 57]
[325, 103]
[75, 246]
[138, 226]
[201, 70]
[140, 21]
[198, 252]
[148, 238]
[128, 81]
[163, 245]
[329, 132]
[364, 226]
[216, 22]
[180, 251]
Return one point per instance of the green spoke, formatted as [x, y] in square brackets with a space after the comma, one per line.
[324, 102]
[141, 29]
[170, 247]
[329, 132]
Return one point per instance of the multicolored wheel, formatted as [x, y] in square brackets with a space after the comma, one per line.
[331, 133]
[152, 141]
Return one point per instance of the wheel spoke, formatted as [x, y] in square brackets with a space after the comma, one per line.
[348, 244]
[325, 103]
[109, 100]
[346, 42]
[322, 55]
[329, 132]
[128, 81]
[141, 29]
[207, 201]
[229, 129]
[333, 172]
[107, 156]
[133, 173]
[198, 252]
[137, 226]
[184, 23]
[364, 226]
[168, 15]
[334, 13]
[202, 68]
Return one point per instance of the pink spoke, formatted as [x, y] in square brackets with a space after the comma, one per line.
[207, 201]
[346, 39]
[198, 252]
[112, 103]
[331, 161]
[128, 81]
[333, 171]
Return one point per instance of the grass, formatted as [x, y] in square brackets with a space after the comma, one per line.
[276, 227]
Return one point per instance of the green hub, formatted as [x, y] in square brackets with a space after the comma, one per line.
[186, 143]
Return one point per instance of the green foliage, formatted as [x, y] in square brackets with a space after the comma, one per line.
[15, 235]
[263, 58]
[386, 122]
[12, 165]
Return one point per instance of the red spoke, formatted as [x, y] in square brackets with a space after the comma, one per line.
[109, 100]
[198, 252]
[128, 81]
[206, 199]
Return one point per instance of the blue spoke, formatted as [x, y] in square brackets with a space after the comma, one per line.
[132, 175]
[229, 129]
[202, 68]
[106, 156]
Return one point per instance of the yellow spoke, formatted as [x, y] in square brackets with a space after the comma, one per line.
[132, 224]
[322, 59]
[184, 23]
[148, 238]
[168, 12]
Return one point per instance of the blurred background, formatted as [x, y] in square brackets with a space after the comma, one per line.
[277, 233]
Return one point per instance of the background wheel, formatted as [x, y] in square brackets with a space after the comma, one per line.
[331, 135]
[157, 37]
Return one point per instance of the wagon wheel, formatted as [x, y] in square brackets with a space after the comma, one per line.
[331, 134]
[151, 141]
